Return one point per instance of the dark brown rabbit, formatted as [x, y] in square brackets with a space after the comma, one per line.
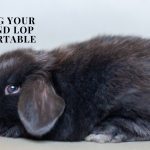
[97, 90]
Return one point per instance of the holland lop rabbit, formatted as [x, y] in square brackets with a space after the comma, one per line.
[97, 90]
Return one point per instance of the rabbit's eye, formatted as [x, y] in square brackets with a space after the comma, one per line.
[11, 89]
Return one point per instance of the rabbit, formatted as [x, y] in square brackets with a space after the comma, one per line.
[96, 90]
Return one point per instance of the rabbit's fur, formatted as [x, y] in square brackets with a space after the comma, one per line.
[97, 90]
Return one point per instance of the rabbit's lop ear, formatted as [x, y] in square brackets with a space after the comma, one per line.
[39, 106]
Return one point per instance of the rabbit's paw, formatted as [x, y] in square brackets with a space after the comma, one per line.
[105, 138]
[99, 138]
[14, 131]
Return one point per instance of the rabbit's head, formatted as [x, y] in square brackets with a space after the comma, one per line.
[26, 91]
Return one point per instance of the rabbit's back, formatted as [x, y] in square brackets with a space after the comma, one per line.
[105, 77]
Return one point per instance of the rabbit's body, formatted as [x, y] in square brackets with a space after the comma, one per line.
[105, 85]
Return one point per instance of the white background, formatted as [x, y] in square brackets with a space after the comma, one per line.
[63, 21]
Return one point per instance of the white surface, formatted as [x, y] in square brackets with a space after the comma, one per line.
[20, 144]
[64, 21]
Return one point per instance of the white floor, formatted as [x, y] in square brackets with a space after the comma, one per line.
[20, 144]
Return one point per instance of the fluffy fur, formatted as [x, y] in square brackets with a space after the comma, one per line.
[99, 91]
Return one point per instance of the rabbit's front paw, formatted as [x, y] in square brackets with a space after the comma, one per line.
[14, 131]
